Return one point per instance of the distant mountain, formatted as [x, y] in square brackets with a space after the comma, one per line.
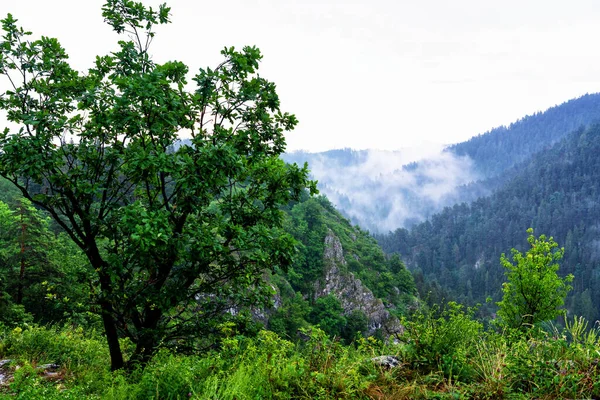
[556, 191]
[384, 190]
[497, 150]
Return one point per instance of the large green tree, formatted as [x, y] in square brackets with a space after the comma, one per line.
[177, 235]
[533, 292]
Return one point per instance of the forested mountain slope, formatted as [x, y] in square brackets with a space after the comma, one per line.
[341, 278]
[557, 193]
[384, 190]
[500, 148]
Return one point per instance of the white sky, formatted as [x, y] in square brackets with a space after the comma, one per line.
[377, 74]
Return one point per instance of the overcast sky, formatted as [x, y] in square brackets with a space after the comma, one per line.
[371, 73]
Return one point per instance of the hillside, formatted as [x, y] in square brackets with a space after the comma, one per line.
[342, 282]
[497, 150]
[340, 274]
[341, 278]
[556, 192]
[384, 190]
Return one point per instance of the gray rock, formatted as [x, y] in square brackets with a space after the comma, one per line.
[3, 375]
[351, 292]
[387, 362]
[334, 253]
[51, 375]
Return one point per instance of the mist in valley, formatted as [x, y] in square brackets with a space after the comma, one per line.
[383, 190]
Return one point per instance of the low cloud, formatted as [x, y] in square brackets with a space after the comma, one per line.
[384, 190]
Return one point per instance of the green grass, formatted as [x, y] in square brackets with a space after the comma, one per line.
[545, 364]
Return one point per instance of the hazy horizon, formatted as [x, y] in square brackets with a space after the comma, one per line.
[364, 74]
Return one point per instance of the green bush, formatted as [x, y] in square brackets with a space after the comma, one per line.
[559, 363]
[443, 339]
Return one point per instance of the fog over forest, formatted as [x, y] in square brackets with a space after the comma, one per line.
[384, 190]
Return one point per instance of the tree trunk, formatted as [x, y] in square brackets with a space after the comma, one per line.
[106, 308]
[112, 337]
[143, 353]
[148, 341]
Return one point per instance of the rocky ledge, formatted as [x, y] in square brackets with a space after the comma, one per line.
[351, 292]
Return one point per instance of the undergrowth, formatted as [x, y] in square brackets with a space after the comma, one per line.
[443, 354]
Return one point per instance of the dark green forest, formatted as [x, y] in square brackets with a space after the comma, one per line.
[497, 150]
[555, 192]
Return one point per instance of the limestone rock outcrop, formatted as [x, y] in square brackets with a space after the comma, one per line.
[351, 292]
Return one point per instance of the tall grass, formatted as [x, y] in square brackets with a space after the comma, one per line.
[443, 355]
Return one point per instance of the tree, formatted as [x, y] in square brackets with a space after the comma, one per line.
[327, 313]
[356, 322]
[177, 234]
[533, 292]
[26, 242]
[404, 280]
[42, 276]
[290, 317]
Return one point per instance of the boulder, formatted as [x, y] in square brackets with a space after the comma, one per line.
[387, 362]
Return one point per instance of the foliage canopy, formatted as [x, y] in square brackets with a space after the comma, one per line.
[176, 235]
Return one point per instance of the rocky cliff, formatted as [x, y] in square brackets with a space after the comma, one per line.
[350, 291]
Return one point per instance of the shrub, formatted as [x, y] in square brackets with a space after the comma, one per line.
[444, 339]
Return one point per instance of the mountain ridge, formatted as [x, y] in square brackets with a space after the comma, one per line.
[384, 190]
[556, 192]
